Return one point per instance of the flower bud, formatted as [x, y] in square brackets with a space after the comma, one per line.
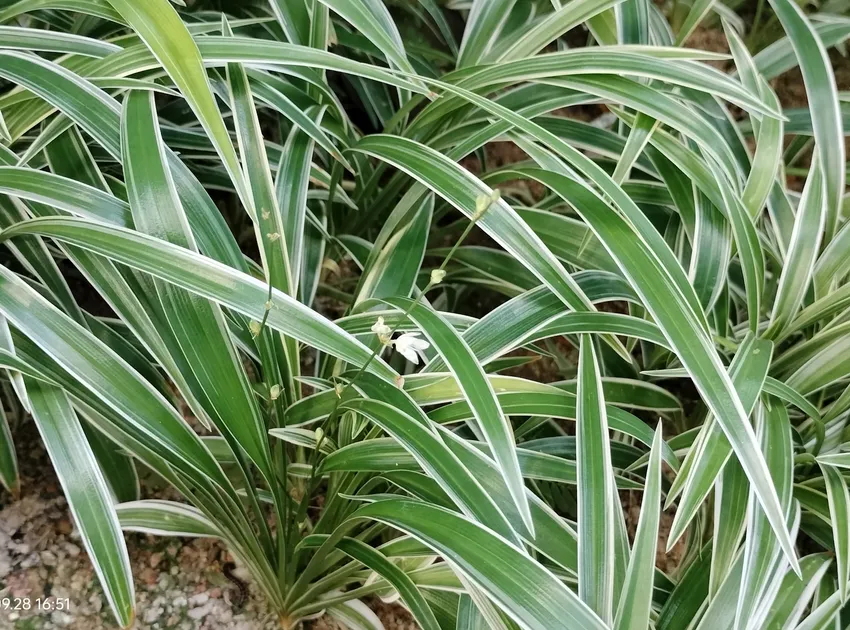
[382, 331]
[437, 275]
[274, 391]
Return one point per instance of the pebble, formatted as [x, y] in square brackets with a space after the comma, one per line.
[155, 559]
[152, 614]
[148, 576]
[62, 618]
[199, 599]
[96, 602]
[179, 602]
[201, 611]
[48, 558]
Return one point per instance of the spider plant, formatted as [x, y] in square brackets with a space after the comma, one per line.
[271, 206]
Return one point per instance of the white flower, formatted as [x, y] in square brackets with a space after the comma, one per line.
[382, 330]
[410, 347]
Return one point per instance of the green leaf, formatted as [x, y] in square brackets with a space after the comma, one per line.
[210, 279]
[802, 252]
[636, 599]
[165, 518]
[65, 194]
[821, 618]
[395, 269]
[698, 11]
[483, 26]
[462, 189]
[199, 326]
[380, 564]
[30, 39]
[839, 512]
[794, 594]
[711, 451]
[822, 95]
[750, 254]
[638, 137]
[294, 18]
[595, 483]
[262, 206]
[762, 555]
[160, 27]
[105, 374]
[371, 19]
[293, 177]
[550, 27]
[780, 56]
[87, 494]
[92, 108]
[523, 588]
[490, 422]
[433, 456]
[689, 596]
[8, 460]
[685, 335]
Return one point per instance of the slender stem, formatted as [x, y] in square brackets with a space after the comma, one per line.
[756, 23]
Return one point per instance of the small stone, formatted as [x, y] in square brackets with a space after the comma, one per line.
[72, 550]
[179, 602]
[215, 593]
[48, 558]
[64, 526]
[14, 616]
[96, 602]
[174, 570]
[200, 612]
[155, 559]
[149, 576]
[199, 600]
[29, 561]
[61, 618]
[152, 614]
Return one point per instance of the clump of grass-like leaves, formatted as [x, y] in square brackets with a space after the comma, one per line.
[270, 205]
